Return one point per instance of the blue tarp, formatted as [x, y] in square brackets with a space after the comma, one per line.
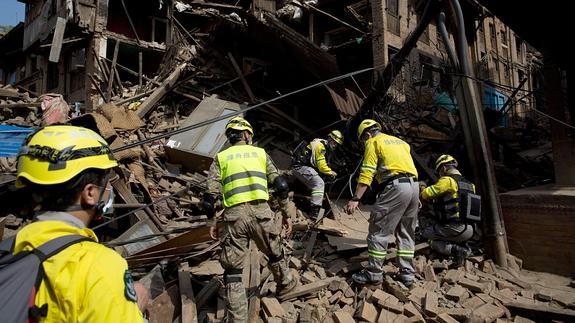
[11, 138]
[442, 99]
[493, 99]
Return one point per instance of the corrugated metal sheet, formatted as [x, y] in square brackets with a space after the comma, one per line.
[347, 106]
[11, 138]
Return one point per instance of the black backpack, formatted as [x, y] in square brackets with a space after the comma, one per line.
[21, 276]
[469, 201]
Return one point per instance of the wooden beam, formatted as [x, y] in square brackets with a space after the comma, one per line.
[542, 312]
[133, 72]
[140, 70]
[135, 97]
[130, 21]
[254, 296]
[97, 86]
[112, 68]
[57, 40]
[241, 76]
[159, 93]
[253, 99]
[189, 311]
[308, 289]
[311, 242]
[20, 105]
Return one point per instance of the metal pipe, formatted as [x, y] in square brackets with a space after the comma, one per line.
[478, 146]
[445, 37]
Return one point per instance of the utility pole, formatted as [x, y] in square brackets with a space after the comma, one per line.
[477, 145]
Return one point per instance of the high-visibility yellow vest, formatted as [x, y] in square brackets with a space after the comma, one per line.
[243, 174]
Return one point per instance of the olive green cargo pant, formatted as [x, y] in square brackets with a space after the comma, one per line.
[242, 223]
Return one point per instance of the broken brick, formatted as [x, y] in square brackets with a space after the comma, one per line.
[457, 293]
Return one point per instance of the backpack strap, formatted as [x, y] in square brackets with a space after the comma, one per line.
[52, 247]
[7, 245]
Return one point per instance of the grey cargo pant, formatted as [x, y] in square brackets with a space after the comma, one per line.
[442, 237]
[242, 223]
[394, 213]
[311, 179]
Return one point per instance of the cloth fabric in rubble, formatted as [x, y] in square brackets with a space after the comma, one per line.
[54, 109]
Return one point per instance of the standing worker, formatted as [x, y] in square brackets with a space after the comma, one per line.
[67, 169]
[455, 204]
[240, 175]
[310, 161]
[388, 159]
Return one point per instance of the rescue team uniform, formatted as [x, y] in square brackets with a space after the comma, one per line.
[86, 282]
[450, 230]
[388, 160]
[240, 174]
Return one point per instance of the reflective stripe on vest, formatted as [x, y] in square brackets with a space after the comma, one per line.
[243, 174]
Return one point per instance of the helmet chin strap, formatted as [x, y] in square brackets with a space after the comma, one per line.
[98, 207]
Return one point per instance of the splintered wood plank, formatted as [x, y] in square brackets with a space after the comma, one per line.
[254, 298]
[355, 224]
[189, 311]
[56, 47]
[308, 289]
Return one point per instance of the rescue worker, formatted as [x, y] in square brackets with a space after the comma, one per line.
[240, 175]
[309, 163]
[451, 231]
[388, 160]
[67, 170]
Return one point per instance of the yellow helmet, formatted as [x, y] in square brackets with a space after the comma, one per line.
[444, 159]
[367, 123]
[337, 136]
[55, 154]
[239, 123]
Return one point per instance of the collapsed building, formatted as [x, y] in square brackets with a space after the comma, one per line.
[136, 71]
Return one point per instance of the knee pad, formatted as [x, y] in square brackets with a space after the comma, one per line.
[233, 275]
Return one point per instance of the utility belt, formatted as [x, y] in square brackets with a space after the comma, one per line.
[254, 202]
[395, 180]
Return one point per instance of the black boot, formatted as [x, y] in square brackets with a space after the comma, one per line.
[459, 254]
[314, 211]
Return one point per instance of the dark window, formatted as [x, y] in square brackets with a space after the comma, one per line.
[391, 51]
[426, 68]
[519, 48]
[393, 16]
[492, 34]
[506, 73]
[503, 37]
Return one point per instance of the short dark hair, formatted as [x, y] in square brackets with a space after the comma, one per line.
[59, 197]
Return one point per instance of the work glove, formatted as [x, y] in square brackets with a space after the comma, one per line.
[422, 186]
[208, 205]
[332, 175]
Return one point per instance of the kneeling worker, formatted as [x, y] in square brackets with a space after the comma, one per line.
[456, 206]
